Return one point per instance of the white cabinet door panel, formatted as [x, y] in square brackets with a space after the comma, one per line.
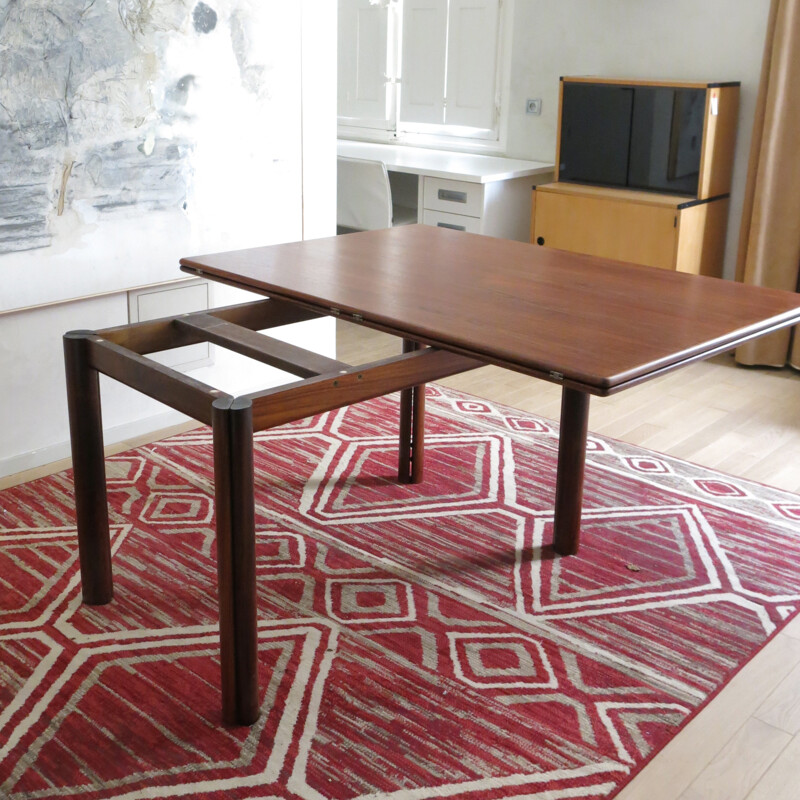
[472, 63]
[424, 56]
[362, 61]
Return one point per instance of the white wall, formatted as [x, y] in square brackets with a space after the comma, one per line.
[713, 40]
[264, 173]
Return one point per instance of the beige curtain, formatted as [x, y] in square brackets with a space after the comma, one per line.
[769, 239]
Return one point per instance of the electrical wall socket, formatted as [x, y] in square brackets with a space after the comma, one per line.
[533, 106]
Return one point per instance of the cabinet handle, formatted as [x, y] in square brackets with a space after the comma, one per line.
[452, 196]
[540, 240]
[452, 227]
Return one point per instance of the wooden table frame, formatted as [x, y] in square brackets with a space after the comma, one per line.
[457, 301]
[327, 384]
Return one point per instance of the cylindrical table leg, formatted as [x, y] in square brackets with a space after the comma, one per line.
[412, 428]
[404, 443]
[232, 423]
[418, 434]
[88, 469]
[569, 480]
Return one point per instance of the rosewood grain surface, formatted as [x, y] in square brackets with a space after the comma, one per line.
[236, 559]
[89, 476]
[293, 401]
[601, 324]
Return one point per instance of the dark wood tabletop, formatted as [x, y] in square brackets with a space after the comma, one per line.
[594, 324]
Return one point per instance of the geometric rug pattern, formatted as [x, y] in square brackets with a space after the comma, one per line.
[414, 641]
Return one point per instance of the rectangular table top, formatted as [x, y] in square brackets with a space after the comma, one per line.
[588, 322]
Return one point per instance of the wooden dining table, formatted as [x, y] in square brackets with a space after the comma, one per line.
[457, 301]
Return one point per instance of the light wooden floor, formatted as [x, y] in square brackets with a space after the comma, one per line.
[745, 422]
[746, 743]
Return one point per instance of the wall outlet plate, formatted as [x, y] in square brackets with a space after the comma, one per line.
[533, 106]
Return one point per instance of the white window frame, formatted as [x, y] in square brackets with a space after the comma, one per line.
[397, 131]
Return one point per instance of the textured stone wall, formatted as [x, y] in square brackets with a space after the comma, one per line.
[95, 118]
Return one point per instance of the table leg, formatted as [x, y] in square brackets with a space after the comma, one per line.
[89, 471]
[569, 480]
[412, 428]
[418, 435]
[232, 423]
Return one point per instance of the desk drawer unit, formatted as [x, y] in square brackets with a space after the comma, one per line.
[487, 194]
[458, 222]
[454, 197]
[452, 204]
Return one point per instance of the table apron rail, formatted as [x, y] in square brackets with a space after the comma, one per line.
[355, 384]
[179, 391]
[163, 334]
[246, 342]
[328, 383]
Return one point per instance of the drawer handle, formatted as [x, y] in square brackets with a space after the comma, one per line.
[452, 227]
[452, 196]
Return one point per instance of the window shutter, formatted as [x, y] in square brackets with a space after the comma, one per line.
[472, 63]
[363, 42]
[424, 55]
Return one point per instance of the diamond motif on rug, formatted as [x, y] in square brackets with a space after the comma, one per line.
[280, 550]
[415, 641]
[177, 508]
[789, 510]
[468, 476]
[32, 562]
[124, 471]
[529, 425]
[501, 661]
[628, 725]
[159, 688]
[645, 553]
[719, 488]
[649, 465]
[473, 407]
[361, 601]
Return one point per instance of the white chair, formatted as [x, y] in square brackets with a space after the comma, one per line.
[364, 196]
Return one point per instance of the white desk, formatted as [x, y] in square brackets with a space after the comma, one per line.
[466, 191]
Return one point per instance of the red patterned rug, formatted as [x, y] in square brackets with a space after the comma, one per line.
[415, 641]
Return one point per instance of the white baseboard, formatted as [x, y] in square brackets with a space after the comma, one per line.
[61, 450]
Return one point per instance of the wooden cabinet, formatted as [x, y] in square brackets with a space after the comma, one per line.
[683, 232]
[657, 230]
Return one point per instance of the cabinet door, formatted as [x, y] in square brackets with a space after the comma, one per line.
[424, 59]
[701, 238]
[625, 231]
[362, 31]
[472, 63]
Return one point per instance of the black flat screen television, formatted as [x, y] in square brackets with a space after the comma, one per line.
[635, 137]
